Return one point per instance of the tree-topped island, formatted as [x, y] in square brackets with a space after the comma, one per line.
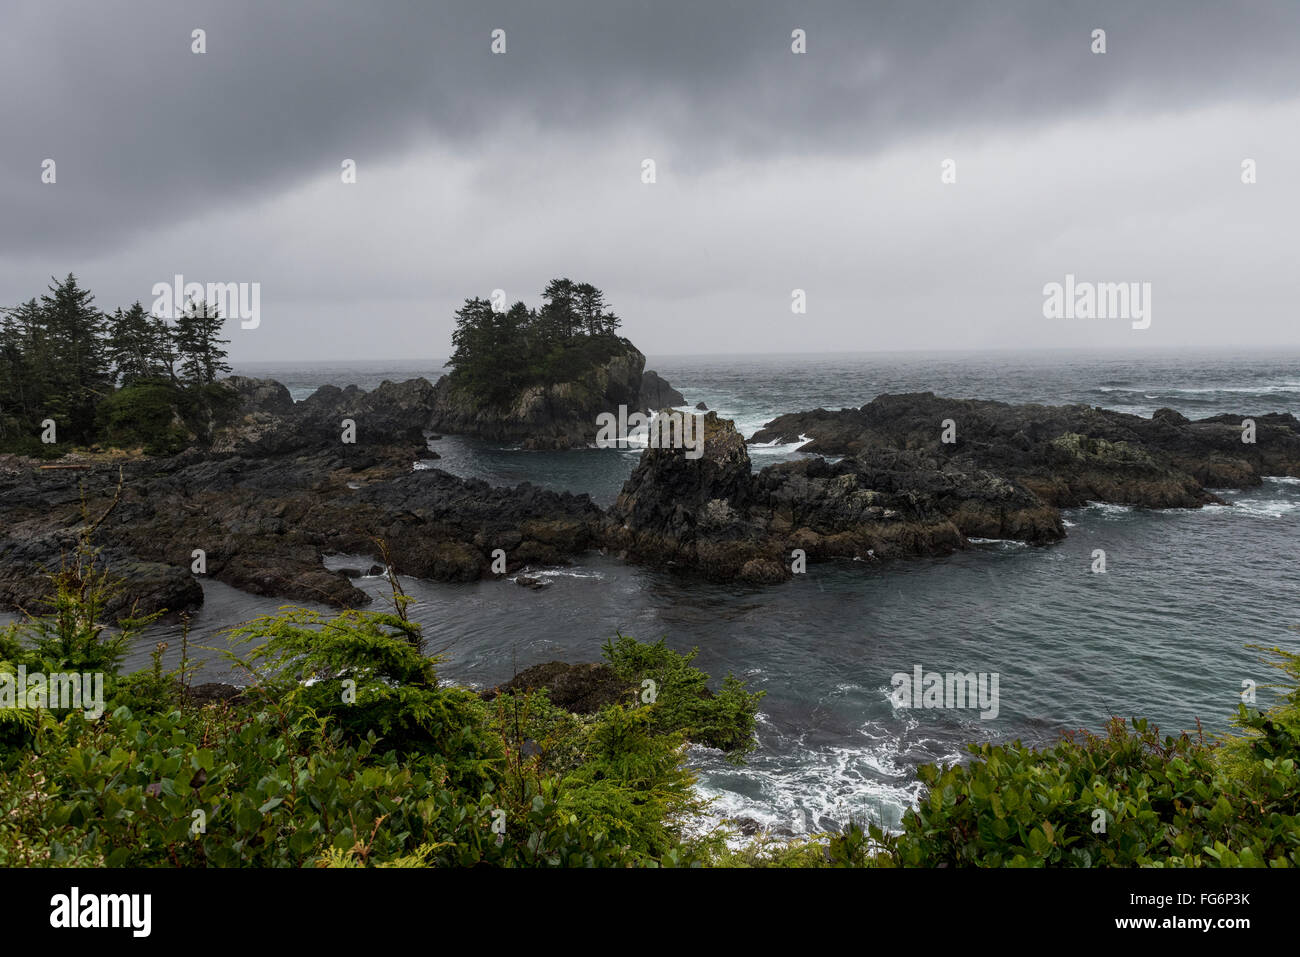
[540, 376]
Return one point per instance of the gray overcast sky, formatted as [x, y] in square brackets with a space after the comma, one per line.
[775, 171]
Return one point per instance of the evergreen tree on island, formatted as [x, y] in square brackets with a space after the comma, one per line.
[498, 354]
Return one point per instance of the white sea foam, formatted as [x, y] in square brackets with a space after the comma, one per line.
[803, 795]
[1107, 509]
[1267, 508]
[1004, 542]
[567, 573]
[776, 447]
[1275, 386]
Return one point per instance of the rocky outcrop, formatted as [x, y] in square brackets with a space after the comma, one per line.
[1066, 455]
[561, 415]
[404, 415]
[714, 515]
[580, 688]
[284, 491]
[265, 523]
[146, 588]
[657, 394]
[558, 416]
[260, 395]
[901, 490]
[394, 415]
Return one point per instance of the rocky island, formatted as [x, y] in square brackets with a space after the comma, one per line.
[278, 490]
[232, 479]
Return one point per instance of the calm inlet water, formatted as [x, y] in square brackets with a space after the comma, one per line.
[1161, 635]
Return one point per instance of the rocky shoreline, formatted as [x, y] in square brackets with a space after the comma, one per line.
[281, 489]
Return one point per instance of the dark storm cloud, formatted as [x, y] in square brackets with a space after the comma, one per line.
[147, 134]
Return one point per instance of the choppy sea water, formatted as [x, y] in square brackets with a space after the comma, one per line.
[1160, 635]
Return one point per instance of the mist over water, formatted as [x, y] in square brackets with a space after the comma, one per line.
[1161, 635]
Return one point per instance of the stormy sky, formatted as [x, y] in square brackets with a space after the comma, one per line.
[775, 171]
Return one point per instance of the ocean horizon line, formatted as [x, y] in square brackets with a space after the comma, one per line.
[1054, 351]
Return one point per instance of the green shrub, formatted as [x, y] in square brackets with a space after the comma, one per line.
[148, 415]
[345, 751]
[1127, 798]
[724, 719]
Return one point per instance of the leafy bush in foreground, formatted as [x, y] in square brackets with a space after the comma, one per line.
[1129, 798]
[346, 751]
[724, 719]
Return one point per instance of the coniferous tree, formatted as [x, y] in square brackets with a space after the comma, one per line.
[197, 341]
[20, 390]
[70, 362]
[486, 346]
[134, 346]
[590, 306]
[495, 355]
[13, 375]
[559, 313]
[165, 346]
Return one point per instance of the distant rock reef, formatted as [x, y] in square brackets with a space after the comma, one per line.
[281, 488]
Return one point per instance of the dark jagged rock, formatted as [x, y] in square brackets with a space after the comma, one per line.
[675, 510]
[1066, 455]
[715, 515]
[266, 523]
[395, 415]
[146, 587]
[581, 688]
[260, 395]
[901, 490]
[657, 394]
[557, 416]
[283, 491]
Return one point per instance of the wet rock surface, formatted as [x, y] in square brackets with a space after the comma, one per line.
[276, 493]
[580, 688]
[656, 393]
[718, 516]
[900, 490]
[558, 416]
[281, 490]
[1066, 455]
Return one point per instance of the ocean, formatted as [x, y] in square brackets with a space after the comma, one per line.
[1161, 635]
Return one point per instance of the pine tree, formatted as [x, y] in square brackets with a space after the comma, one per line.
[12, 377]
[498, 354]
[134, 346]
[19, 389]
[559, 315]
[70, 361]
[485, 347]
[590, 303]
[197, 342]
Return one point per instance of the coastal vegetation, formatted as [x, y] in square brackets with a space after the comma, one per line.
[123, 380]
[498, 354]
[1129, 797]
[346, 749]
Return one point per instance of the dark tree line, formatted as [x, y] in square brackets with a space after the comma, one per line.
[497, 354]
[125, 378]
